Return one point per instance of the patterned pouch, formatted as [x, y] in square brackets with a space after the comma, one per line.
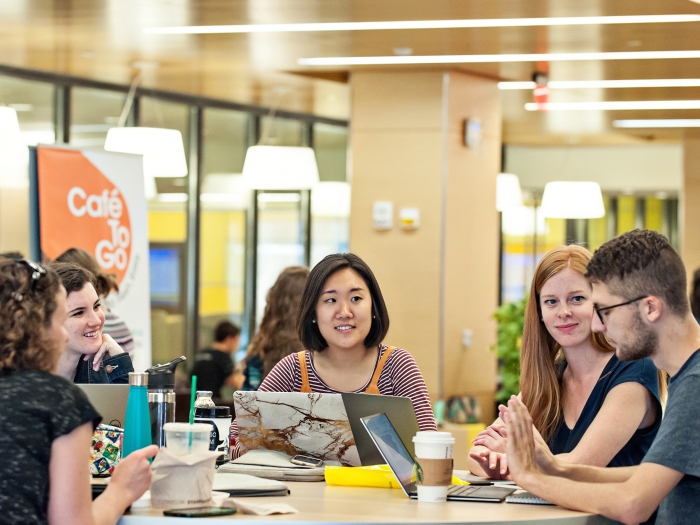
[106, 449]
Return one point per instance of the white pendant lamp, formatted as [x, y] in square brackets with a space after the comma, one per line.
[162, 149]
[572, 200]
[280, 168]
[14, 154]
[508, 193]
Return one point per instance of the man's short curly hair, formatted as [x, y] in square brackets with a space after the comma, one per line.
[26, 309]
[641, 262]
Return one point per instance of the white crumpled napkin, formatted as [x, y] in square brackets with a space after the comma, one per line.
[258, 509]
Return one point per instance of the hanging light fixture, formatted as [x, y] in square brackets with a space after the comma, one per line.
[280, 168]
[572, 200]
[508, 192]
[331, 199]
[14, 154]
[162, 149]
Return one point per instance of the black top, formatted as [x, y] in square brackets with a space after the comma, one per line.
[212, 368]
[615, 372]
[113, 370]
[677, 446]
[35, 408]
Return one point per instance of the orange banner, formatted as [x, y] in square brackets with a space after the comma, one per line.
[80, 207]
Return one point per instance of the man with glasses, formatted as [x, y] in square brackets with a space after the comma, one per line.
[640, 296]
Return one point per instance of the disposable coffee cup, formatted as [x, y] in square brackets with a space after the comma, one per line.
[183, 438]
[434, 464]
[181, 482]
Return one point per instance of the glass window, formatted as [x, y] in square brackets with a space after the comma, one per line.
[224, 204]
[93, 112]
[34, 103]
[331, 147]
[276, 131]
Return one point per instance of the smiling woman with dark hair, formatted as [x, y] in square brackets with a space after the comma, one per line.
[342, 321]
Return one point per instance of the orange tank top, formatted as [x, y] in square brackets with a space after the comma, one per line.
[372, 388]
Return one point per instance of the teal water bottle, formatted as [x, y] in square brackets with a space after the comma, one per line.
[137, 424]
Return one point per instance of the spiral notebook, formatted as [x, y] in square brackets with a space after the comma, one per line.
[526, 498]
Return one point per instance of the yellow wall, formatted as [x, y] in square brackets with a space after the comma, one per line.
[406, 140]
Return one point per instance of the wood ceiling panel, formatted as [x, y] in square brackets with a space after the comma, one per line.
[101, 39]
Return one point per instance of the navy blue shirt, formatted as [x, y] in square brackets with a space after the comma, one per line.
[615, 373]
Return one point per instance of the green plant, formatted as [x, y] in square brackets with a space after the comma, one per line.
[510, 318]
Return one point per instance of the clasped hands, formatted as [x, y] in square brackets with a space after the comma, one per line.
[512, 446]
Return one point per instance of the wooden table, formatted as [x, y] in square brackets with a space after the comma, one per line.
[320, 503]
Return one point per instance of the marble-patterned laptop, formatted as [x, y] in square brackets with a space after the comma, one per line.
[296, 423]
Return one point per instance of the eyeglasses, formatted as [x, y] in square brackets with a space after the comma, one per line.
[37, 271]
[598, 310]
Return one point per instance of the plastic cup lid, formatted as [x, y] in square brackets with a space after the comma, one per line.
[186, 427]
[429, 436]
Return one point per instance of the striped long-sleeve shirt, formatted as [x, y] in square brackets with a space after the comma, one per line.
[400, 377]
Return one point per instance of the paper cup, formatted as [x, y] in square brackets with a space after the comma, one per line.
[434, 457]
[181, 482]
[183, 438]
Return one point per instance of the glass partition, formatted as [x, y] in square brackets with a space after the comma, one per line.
[93, 112]
[34, 103]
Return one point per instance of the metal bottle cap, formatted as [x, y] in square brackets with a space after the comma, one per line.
[138, 379]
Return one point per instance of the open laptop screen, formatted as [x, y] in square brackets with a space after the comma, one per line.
[391, 447]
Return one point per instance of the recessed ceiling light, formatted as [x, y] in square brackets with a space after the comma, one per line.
[606, 84]
[658, 123]
[474, 59]
[620, 105]
[422, 24]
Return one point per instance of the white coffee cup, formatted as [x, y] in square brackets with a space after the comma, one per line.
[433, 446]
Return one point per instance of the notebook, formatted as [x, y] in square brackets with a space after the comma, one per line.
[527, 498]
[109, 401]
[400, 412]
[401, 463]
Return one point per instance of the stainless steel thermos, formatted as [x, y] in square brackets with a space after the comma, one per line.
[161, 397]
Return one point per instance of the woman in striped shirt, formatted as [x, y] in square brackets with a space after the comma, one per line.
[341, 322]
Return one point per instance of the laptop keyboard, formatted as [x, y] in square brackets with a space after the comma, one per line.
[460, 490]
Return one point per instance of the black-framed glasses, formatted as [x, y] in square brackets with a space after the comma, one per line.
[598, 310]
[37, 271]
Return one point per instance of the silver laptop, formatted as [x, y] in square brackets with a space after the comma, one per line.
[109, 401]
[401, 463]
[400, 412]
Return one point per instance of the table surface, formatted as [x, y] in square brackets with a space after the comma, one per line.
[320, 503]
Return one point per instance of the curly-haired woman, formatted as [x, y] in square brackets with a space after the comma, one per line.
[277, 336]
[47, 422]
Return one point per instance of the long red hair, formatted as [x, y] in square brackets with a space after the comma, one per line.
[540, 384]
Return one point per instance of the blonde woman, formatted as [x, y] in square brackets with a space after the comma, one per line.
[587, 405]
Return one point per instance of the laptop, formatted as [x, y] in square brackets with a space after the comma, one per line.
[296, 423]
[400, 412]
[401, 463]
[109, 401]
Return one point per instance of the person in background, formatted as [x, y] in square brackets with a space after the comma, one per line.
[277, 336]
[342, 322]
[213, 366]
[695, 296]
[105, 284]
[46, 421]
[641, 301]
[91, 356]
[588, 406]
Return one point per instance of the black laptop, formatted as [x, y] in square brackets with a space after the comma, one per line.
[401, 463]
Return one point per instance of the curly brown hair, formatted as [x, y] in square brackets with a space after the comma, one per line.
[104, 282]
[26, 308]
[277, 336]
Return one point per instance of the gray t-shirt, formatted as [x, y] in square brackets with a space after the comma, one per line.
[677, 445]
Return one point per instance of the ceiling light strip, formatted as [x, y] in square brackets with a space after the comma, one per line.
[621, 105]
[605, 84]
[474, 59]
[657, 123]
[422, 24]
